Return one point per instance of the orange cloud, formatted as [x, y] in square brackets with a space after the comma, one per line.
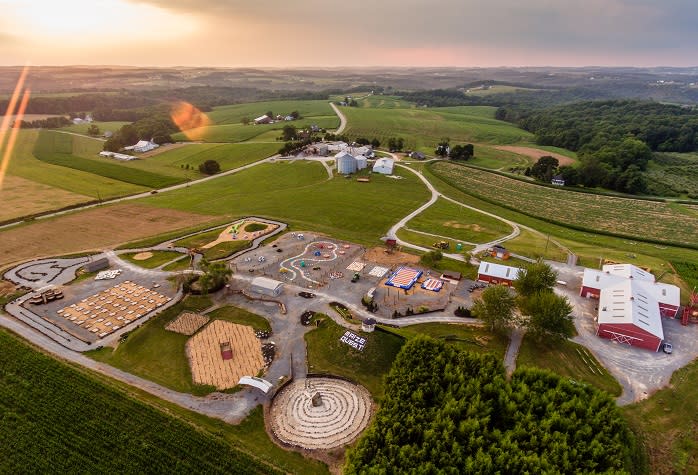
[190, 120]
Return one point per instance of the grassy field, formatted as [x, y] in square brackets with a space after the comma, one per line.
[382, 102]
[43, 429]
[157, 354]
[241, 316]
[24, 164]
[533, 245]
[449, 219]
[466, 337]
[567, 359]
[103, 127]
[69, 151]
[667, 424]
[22, 197]
[301, 194]
[158, 258]
[227, 127]
[671, 222]
[497, 89]
[178, 265]
[422, 129]
[326, 354]
[489, 157]
[427, 241]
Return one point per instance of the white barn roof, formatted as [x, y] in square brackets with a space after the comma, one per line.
[266, 283]
[629, 302]
[383, 165]
[601, 280]
[628, 271]
[498, 271]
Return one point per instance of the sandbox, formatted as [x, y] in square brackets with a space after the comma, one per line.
[320, 413]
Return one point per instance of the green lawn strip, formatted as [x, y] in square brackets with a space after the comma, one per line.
[588, 246]
[179, 264]
[446, 218]
[158, 258]
[156, 354]
[57, 149]
[300, 194]
[111, 126]
[57, 417]
[326, 354]
[233, 114]
[473, 338]
[428, 241]
[602, 214]
[241, 316]
[569, 359]
[490, 157]
[667, 423]
[533, 245]
[24, 164]
[219, 251]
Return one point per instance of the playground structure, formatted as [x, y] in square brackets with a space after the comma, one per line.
[690, 311]
[222, 352]
[404, 278]
[314, 254]
[320, 413]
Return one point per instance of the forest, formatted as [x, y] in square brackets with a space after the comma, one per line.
[450, 411]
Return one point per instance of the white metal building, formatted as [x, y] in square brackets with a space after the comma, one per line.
[266, 286]
[384, 166]
[361, 162]
[346, 163]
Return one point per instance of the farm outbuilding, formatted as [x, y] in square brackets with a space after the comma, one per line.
[266, 286]
[368, 325]
[263, 119]
[97, 265]
[361, 162]
[143, 146]
[497, 273]
[384, 166]
[631, 304]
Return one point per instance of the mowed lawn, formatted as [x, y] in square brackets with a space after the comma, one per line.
[103, 127]
[633, 218]
[448, 219]
[226, 123]
[422, 129]
[24, 164]
[301, 194]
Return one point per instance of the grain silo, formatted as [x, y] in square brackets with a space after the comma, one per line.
[361, 162]
[346, 163]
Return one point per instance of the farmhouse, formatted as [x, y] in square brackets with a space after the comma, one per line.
[384, 166]
[497, 273]
[417, 155]
[631, 304]
[266, 286]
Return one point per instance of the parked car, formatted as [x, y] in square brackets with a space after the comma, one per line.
[306, 295]
[667, 348]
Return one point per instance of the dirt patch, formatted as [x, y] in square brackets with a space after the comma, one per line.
[187, 323]
[7, 288]
[96, 228]
[22, 197]
[536, 153]
[205, 352]
[457, 225]
[379, 256]
[143, 256]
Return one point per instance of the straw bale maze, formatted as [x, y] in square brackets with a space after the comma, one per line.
[208, 363]
[187, 323]
[320, 413]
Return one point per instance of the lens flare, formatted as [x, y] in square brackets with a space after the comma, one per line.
[4, 126]
[190, 120]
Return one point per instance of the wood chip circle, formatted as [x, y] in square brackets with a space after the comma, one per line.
[143, 256]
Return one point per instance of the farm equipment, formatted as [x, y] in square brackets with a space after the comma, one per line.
[356, 277]
[690, 311]
[441, 245]
[499, 252]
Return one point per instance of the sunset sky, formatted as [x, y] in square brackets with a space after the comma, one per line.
[236, 33]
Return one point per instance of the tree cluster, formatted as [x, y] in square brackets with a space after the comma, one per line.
[450, 411]
[157, 128]
[210, 167]
[396, 144]
[47, 123]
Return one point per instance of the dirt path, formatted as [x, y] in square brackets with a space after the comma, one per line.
[342, 119]
[515, 340]
[536, 153]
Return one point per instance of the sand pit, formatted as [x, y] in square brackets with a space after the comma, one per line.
[536, 153]
[320, 413]
[207, 363]
[187, 323]
[228, 233]
[379, 256]
[143, 256]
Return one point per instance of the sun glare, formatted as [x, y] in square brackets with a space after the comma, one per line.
[86, 22]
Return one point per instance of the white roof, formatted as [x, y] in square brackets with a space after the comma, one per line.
[629, 302]
[664, 293]
[499, 271]
[361, 158]
[628, 271]
[266, 283]
[262, 117]
[343, 154]
[258, 383]
[142, 143]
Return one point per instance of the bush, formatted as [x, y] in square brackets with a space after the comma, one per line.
[210, 167]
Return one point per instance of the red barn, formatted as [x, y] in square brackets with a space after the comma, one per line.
[497, 273]
[629, 314]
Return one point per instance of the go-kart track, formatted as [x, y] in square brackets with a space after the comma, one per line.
[314, 252]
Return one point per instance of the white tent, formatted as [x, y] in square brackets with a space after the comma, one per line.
[384, 166]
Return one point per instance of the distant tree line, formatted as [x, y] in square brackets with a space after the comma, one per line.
[450, 411]
[48, 123]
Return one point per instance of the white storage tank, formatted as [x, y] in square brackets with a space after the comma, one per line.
[346, 164]
[361, 162]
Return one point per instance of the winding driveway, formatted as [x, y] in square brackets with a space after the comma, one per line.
[342, 119]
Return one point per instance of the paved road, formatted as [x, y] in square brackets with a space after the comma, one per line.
[342, 119]
[515, 340]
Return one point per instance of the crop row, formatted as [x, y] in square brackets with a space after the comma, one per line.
[636, 219]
